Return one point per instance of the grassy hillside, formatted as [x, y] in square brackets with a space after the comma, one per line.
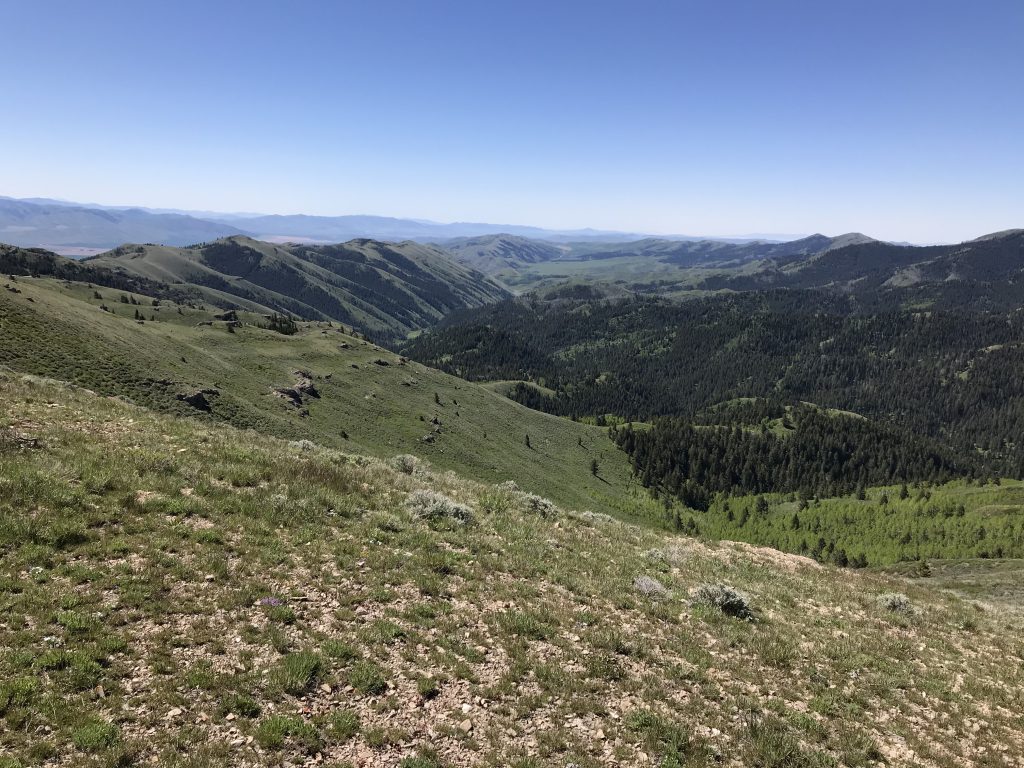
[185, 594]
[998, 581]
[385, 289]
[369, 400]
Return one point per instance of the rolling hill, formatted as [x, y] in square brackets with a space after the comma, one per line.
[952, 375]
[492, 254]
[384, 289]
[319, 384]
[985, 273]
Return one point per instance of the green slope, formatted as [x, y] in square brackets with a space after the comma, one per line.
[56, 329]
[187, 595]
[385, 289]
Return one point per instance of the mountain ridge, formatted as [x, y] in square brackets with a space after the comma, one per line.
[386, 289]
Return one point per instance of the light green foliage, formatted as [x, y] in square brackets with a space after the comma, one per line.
[342, 725]
[956, 520]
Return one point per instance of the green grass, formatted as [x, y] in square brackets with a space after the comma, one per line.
[999, 581]
[363, 407]
[138, 551]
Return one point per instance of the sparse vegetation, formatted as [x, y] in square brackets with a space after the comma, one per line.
[219, 586]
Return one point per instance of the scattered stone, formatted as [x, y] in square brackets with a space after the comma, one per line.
[466, 725]
[291, 394]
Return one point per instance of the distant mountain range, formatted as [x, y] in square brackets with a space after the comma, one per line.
[493, 253]
[63, 225]
[59, 226]
[988, 271]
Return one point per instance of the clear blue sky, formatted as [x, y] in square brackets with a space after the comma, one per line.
[902, 119]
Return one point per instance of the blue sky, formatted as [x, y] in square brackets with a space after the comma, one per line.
[904, 120]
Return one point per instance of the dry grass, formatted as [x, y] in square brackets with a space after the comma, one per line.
[184, 595]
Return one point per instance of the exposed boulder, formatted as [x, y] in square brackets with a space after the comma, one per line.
[198, 398]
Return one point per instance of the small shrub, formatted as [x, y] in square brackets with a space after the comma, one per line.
[95, 736]
[406, 463]
[771, 744]
[342, 725]
[273, 732]
[66, 535]
[75, 623]
[673, 743]
[430, 505]
[895, 602]
[604, 666]
[538, 505]
[382, 632]
[427, 758]
[281, 614]
[17, 692]
[724, 598]
[366, 677]
[525, 624]
[649, 587]
[240, 704]
[496, 500]
[298, 672]
[82, 673]
[339, 651]
[427, 688]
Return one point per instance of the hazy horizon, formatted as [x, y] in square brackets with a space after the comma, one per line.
[656, 119]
